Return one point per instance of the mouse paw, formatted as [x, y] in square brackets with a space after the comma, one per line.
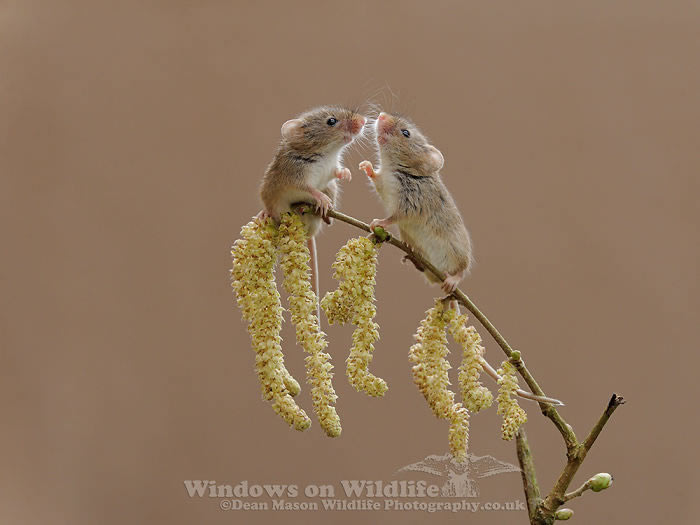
[343, 174]
[263, 215]
[367, 167]
[323, 204]
[449, 285]
[379, 223]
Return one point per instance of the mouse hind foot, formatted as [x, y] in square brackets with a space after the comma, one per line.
[450, 283]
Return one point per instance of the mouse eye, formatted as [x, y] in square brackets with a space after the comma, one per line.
[332, 121]
[406, 133]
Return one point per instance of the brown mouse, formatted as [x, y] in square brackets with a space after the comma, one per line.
[306, 165]
[416, 200]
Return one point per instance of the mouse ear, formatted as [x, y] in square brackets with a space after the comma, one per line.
[292, 128]
[435, 159]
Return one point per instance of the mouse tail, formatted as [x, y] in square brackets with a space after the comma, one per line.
[314, 277]
[519, 392]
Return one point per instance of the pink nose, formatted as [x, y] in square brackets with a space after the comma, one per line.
[384, 123]
[357, 124]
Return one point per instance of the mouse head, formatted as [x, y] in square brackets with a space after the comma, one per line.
[323, 130]
[401, 144]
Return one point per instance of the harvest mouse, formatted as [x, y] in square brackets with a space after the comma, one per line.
[409, 185]
[416, 200]
[307, 164]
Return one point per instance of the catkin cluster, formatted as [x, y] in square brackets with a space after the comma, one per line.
[253, 282]
[353, 301]
[513, 415]
[294, 260]
[475, 396]
[430, 373]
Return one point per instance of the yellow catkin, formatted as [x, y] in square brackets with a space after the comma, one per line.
[430, 374]
[353, 301]
[513, 415]
[475, 396]
[253, 282]
[294, 261]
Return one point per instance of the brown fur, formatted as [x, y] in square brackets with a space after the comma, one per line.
[416, 199]
[306, 160]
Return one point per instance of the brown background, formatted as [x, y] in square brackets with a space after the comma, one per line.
[132, 141]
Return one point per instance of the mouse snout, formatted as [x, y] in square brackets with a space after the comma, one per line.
[356, 124]
[384, 123]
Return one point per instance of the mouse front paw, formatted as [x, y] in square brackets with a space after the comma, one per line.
[323, 204]
[343, 174]
[379, 223]
[367, 167]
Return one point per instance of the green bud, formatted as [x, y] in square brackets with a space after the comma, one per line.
[381, 234]
[563, 514]
[515, 355]
[600, 481]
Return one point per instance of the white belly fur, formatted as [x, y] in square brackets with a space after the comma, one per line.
[436, 249]
[320, 176]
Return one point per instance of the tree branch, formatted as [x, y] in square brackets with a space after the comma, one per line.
[615, 401]
[557, 496]
[527, 470]
[576, 493]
